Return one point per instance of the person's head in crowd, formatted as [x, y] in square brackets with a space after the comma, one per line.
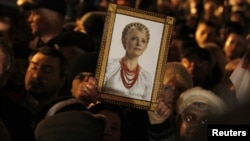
[116, 127]
[206, 32]
[162, 6]
[102, 5]
[20, 66]
[217, 60]
[21, 2]
[130, 3]
[86, 62]
[24, 6]
[218, 82]
[146, 5]
[191, 22]
[193, 6]
[84, 88]
[181, 34]
[176, 43]
[6, 62]
[213, 11]
[239, 17]
[67, 119]
[228, 28]
[196, 107]
[7, 28]
[92, 23]
[46, 74]
[180, 30]
[85, 7]
[197, 60]
[175, 4]
[176, 80]
[175, 48]
[47, 18]
[236, 2]
[235, 45]
[15, 86]
[72, 44]
[179, 42]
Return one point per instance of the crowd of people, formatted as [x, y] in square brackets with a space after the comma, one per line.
[48, 58]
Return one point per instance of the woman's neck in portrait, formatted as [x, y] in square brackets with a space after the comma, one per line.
[131, 63]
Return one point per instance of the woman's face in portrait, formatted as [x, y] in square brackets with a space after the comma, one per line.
[135, 42]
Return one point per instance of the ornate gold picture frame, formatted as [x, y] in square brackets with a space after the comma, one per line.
[149, 45]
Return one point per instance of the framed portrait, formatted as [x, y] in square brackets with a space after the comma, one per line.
[132, 56]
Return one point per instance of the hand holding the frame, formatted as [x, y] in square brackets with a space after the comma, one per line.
[165, 106]
[84, 87]
[161, 112]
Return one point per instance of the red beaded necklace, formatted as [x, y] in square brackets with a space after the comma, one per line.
[129, 77]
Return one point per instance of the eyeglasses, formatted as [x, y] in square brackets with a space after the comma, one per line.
[192, 118]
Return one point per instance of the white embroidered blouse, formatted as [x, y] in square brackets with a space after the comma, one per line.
[142, 89]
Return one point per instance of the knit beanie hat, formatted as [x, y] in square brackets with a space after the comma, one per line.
[93, 22]
[73, 38]
[176, 68]
[70, 125]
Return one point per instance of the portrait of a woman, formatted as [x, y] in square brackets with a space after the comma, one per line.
[125, 76]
